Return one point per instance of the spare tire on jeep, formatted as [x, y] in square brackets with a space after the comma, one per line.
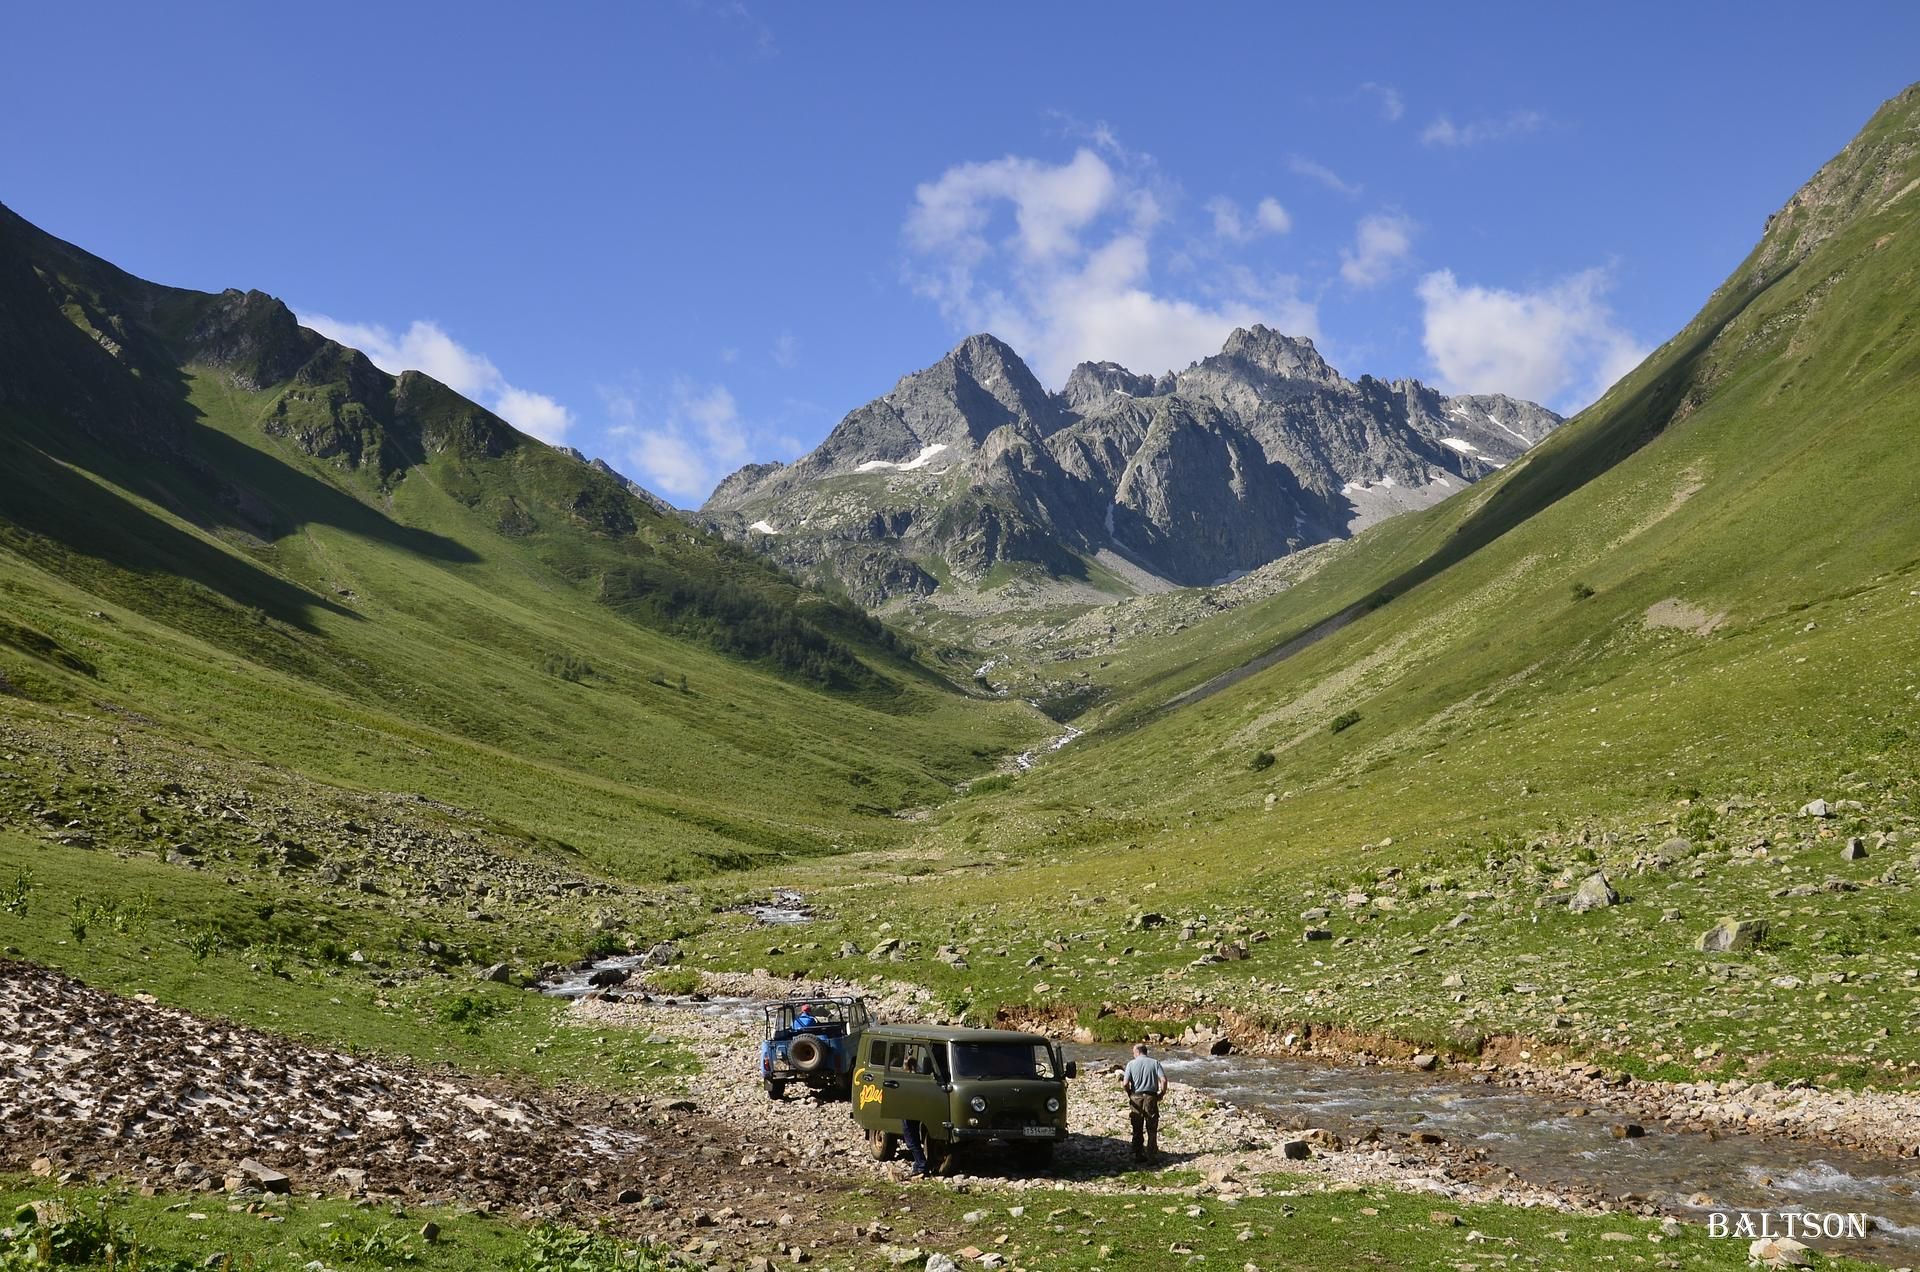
[807, 1053]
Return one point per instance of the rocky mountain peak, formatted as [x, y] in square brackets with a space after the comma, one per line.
[985, 363]
[1091, 384]
[1281, 356]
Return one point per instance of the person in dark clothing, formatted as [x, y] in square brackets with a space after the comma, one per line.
[910, 1132]
[1145, 1082]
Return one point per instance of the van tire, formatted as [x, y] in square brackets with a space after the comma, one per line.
[776, 1090]
[942, 1155]
[881, 1144]
[1035, 1155]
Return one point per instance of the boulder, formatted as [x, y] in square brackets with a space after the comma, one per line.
[1316, 934]
[1671, 853]
[1426, 1061]
[1816, 808]
[1731, 934]
[1779, 1252]
[1296, 1150]
[1594, 893]
[264, 1177]
[499, 974]
[1856, 850]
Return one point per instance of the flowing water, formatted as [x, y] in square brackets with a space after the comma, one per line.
[1686, 1172]
[1532, 1136]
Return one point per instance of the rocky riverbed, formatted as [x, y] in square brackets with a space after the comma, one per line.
[1231, 1148]
[99, 1085]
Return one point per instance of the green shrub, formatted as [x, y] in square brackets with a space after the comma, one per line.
[468, 1013]
[991, 785]
[1261, 760]
[51, 1234]
[676, 981]
[569, 667]
[1695, 823]
[1345, 720]
[1580, 591]
[386, 1246]
[13, 896]
[606, 945]
[203, 941]
[551, 1248]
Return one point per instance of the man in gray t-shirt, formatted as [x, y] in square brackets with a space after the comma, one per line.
[1146, 1082]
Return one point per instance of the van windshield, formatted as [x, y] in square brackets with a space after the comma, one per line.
[1002, 1060]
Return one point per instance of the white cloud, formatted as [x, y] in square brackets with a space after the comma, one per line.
[669, 463]
[1392, 105]
[1444, 132]
[1380, 242]
[695, 437]
[425, 347]
[1070, 279]
[534, 413]
[1228, 222]
[1304, 167]
[1560, 345]
[1051, 204]
[786, 351]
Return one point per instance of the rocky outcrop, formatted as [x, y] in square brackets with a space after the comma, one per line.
[1193, 477]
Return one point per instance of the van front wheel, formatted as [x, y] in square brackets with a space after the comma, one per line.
[881, 1144]
[1035, 1155]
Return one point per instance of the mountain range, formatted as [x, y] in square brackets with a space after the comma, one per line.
[970, 469]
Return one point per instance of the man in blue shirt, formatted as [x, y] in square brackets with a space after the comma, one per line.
[805, 1020]
[1145, 1082]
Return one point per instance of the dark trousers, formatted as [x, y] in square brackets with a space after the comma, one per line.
[910, 1132]
[1143, 1107]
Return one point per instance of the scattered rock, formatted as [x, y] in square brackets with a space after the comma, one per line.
[1595, 893]
[264, 1177]
[1856, 850]
[1297, 1150]
[1426, 1061]
[499, 974]
[1779, 1252]
[1731, 935]
[1816, 808]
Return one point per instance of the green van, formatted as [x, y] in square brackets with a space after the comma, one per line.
[961, 1086]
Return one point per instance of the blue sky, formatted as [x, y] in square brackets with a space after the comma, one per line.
[684, 235]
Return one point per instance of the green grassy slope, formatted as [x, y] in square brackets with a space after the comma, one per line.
[216, 526]
[1689, 611]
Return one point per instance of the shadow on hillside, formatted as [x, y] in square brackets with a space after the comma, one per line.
[81, 531]
[142, 433]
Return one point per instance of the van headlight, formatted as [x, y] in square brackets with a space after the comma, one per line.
[978, 1104]
[1053, 1105]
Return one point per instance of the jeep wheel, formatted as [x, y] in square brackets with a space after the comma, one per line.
[807, 1053]
[881, 1144]
[776, 1090]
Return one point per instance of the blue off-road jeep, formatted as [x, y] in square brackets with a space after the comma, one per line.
[812, 1040]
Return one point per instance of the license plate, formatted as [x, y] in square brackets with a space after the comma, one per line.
[1038, 1131]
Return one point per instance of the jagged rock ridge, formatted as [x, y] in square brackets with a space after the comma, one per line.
[1257, 451]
